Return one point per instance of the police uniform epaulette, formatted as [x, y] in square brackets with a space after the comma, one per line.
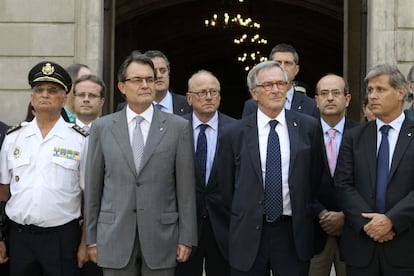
[80, 130]
[14, 128]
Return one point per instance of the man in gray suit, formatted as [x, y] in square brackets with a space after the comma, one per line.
[139, 189]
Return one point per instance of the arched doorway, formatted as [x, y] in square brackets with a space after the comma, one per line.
[177, 28]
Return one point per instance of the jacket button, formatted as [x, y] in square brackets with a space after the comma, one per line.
[260, 202]
[257, 227]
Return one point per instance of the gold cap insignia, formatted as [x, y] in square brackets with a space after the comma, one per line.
[17, 152]
[48, 69]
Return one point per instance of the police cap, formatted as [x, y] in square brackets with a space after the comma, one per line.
[52, 72]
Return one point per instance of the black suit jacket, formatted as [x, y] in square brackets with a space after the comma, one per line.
[326, 196]
[241, 172]
[180, 104]
[355, 184]
[209, 197]
[3, 131]
[300, 103]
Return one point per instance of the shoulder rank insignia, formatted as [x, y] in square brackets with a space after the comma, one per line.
[14, 128]
[80, 130]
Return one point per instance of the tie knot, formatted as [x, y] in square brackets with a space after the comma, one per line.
[273, 123]
[138, 120]
[331, 132]
[159, 106]
[384, 129]
[202, 127]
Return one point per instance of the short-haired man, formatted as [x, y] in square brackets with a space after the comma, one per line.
[288, 58]
[332, 98]
[74, 70]
[213, 215]
[89, 93]
[271, 219]
[166, 100]
[374, 182]
[41, 166]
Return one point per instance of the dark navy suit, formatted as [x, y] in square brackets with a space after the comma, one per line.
[241, 172]
[211, 211]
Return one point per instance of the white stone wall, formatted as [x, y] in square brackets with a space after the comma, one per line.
[64, 31]
[391, 33]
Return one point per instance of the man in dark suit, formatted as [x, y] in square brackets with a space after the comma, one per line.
[332, 98]
[271, 221]
[140, 183]
[164, 98]
[374, 183]
[288, 58]
[213, 216]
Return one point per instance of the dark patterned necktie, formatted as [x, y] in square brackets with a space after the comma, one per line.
[201, 151]
[383, 160]
[273, 181]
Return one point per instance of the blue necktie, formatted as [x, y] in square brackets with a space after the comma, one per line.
[201, 151]
[382, 169]
[273, 181]
[159, 106]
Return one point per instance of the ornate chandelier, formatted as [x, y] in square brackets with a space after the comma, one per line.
[247, 33]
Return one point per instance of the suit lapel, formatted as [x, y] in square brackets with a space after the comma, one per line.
[121, 135]
[404, 139]
[252, 141]
[157, 130]
[214, 165]
[293, 131]
[370, 148]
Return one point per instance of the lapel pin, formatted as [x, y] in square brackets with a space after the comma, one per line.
[295, 124]
[161, 128]
[409, 134]
[300, 107]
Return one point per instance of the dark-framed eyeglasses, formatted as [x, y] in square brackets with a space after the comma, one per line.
[203, 93]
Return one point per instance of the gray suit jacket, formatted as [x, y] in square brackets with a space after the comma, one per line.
[159, 200]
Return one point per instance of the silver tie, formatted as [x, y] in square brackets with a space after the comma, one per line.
[137, 142]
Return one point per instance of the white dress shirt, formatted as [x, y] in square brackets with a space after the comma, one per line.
[145, 124]
[282, 131]
[211, 134]
[339, 127]
[166, 103]
[392, 133]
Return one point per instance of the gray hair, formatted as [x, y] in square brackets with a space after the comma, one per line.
[397, 79]
[252, 81]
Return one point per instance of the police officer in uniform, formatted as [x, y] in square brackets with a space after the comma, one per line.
[41, 176]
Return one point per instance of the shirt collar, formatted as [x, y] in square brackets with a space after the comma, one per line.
[166, 102]
[212, 123]
[147, 114]
[289, 94]
[263, 119]
[396, 124]
[339, 127]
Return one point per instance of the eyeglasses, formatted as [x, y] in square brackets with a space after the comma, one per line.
[52, 90]
[203, 93]
[88, 95]
[267, 86]
[139, 81]
[335, 93]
